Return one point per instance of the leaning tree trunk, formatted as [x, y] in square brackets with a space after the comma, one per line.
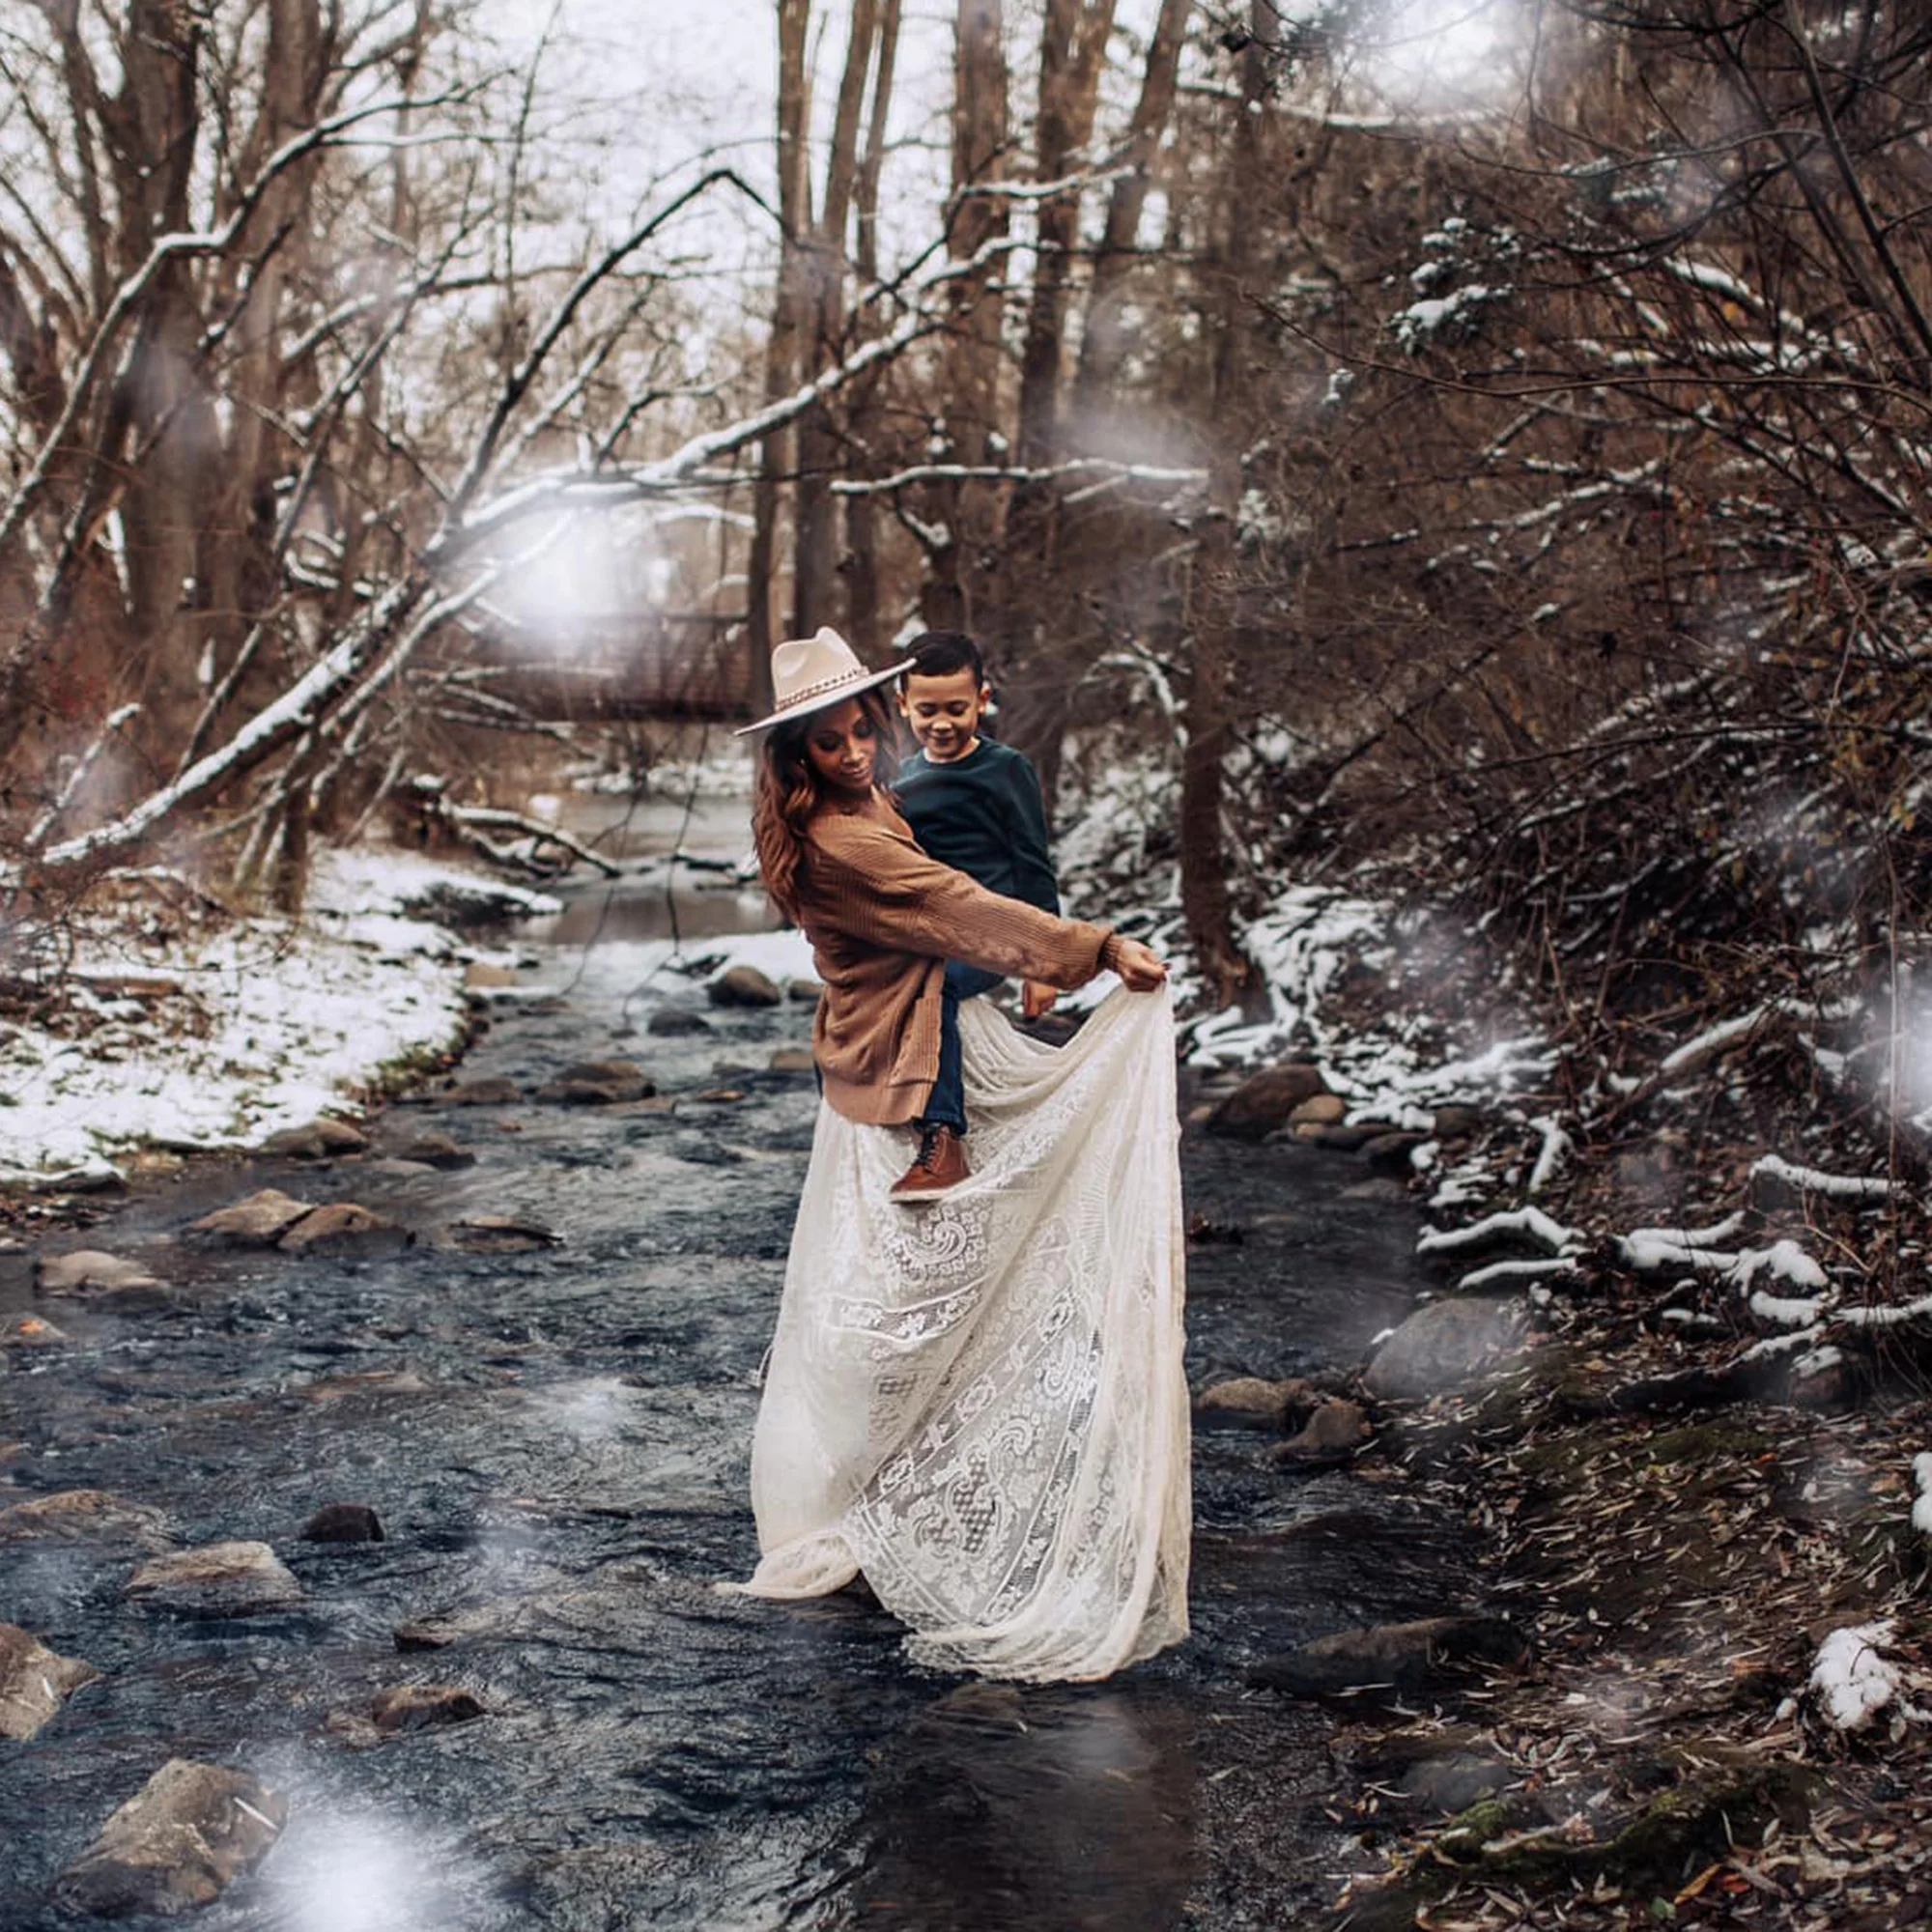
[1206, 900]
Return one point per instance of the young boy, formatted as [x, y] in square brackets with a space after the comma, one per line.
[974, 805]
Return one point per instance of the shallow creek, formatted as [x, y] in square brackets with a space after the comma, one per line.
[556, 1441]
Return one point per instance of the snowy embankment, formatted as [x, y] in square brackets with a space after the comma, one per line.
[180, 1031]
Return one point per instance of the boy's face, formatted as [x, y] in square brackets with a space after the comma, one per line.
[944, 712]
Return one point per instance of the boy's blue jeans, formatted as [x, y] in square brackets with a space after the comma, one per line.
[947, 1106]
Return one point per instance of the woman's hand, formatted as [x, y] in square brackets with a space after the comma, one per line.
[1140, 967]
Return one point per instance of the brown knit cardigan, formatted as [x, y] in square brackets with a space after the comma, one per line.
[882, 920]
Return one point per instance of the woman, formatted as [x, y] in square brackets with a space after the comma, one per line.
[981, 1404]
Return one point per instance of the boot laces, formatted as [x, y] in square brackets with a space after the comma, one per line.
[928, 1147]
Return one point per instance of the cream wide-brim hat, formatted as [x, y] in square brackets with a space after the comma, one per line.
[810, 674]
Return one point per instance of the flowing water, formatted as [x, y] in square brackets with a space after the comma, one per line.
[556, 1441]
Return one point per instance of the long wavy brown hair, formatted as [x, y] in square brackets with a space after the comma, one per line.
[789, 791]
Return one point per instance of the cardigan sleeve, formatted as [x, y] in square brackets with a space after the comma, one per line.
[875, 884]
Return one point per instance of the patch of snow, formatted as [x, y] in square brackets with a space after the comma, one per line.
[1853, 1680]
[1530, 1221]
[273, 1024]
[1841, 1187]
[1921, 1503]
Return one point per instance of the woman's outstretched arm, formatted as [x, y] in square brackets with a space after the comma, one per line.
[873, 883]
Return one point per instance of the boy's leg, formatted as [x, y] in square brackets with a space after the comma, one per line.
[941, 1161]
[947, 1106]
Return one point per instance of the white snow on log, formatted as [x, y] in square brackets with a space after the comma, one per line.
[1509, 1271]
[1530, 1221]
[1658, 1250]
[1921, 1503]
[1774, 1345]
[1788, 1311]
[1713, 1040]
[1887, 1317]
[1812, 1181]
[1852, 1679]
[1554, 1153]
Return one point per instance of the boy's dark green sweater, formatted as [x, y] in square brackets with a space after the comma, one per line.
[982, 815]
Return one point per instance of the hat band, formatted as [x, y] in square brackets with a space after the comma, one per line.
[795, 699]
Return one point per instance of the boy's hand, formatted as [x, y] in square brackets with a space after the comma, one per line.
[1036, 997]
[1141, 968]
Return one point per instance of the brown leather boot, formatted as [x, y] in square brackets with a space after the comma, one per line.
[939, 1167]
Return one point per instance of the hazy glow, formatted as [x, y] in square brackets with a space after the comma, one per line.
[374, 1882]
[1441, 54]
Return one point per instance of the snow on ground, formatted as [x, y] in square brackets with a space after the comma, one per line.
[1852, 1679]
[188, 1034]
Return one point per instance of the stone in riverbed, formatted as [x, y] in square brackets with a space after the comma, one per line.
[218, 1579]
[34, 1682]
[103, 1278]
[1393, 1154]
[343, 1224]
[259, 1221]
[491, 1092]
[419, 1707]
[1447, 1345]
[599, 1083]
[1266, 1101]
[343, 1522]
[792, 1059]
[670, 1022]
[319, 1139]
[31, 1332]
[178, 1843]
[1331, 1436]
[1318, 1110]
[435, 1150]
[85, 1515]
[498, 1235]
[1253, 1400]
[1396, 1659]
[743, 986]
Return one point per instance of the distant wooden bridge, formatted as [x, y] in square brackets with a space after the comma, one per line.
[661, 664]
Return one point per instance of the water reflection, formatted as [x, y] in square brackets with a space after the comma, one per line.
[1055, 1809]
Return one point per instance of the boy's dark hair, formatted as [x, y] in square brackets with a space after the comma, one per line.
[941, 653]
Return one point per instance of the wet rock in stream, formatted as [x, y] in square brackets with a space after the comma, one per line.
[677, 1022]
[35, 1682]
[85, 1515]
[1447, 1345]
[1395, 1659]
[743, 986]
[217, 1581]
[1254, 1401]
[1266, 1101]
[177, 1844]
[343, 1522]
[345, 1223]
[259, 1221]
[320, 1139]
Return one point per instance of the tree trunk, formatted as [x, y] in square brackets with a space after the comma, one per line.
[1104, 339]
[781, 346]
[814, 575]
[1218, 612]
[966, 514]
[861, 514]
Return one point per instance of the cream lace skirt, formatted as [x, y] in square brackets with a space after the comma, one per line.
[980, 1402]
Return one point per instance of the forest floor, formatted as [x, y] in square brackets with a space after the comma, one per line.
[1712, 1545]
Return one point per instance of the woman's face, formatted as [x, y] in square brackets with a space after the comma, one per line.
[844, 744]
